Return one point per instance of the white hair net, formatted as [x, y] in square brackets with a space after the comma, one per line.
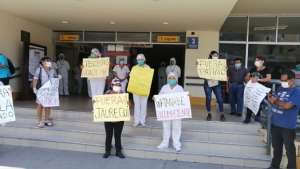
[96, 51]
[62, 55]
[173, 74]
[141, 56]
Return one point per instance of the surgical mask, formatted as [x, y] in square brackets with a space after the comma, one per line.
[48, 64]
[238, 65]
[92, 56]
[121, 62]
[257, 63]
[285, 84]
[215, 57]
[140, 62]
[298, 67]
[116, 88]
[172, 82]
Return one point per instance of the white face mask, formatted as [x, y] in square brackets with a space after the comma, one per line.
[215, 57]
[285, 84]
[257, 63]
[116, 88]
[48, 64]
[121, 62]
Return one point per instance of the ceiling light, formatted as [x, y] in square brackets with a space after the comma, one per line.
[112, 23]
[267, 28]
[165, 23]
[64, 22]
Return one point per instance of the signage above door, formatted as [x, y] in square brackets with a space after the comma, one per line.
[69, 37]
[168, 39]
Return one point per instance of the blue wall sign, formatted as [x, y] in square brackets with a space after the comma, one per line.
[192, 43]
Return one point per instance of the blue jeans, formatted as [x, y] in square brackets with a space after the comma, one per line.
[218, 94]
[236, 96]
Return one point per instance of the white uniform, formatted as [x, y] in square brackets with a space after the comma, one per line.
[174, 68]
[162, 77]
[174, 124]
[121, 72]
[140, 106]
[63, 68]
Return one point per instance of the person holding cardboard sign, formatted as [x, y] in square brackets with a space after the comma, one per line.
[140, 102]
[171, 87]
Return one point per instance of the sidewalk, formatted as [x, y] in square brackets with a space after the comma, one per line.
[18, 157]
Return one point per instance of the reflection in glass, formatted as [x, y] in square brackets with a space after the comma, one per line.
[234, 29]
[289, 29]
[232, 51]
[262, 29]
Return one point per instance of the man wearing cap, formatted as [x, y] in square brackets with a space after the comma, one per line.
[121, 72]
[63, 68]
[173, 68]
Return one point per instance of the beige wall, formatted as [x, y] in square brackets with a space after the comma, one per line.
[10, 40]
[208, 41]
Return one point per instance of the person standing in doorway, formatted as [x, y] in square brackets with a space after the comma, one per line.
[63, 70]
[173, 68]
[162, 76]
[261, 74]
[140, 102]
[297, 73]
[284, 119]
[4, 70]
[235, 87]
[121, 72]
[77, 77]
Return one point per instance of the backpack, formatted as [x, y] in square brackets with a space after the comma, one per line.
[11, 67]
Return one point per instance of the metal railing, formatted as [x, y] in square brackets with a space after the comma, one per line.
[266, 108]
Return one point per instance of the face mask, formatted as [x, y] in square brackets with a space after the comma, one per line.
[215, 57]
[121, 62]
[48, 64]
[116, 88]
[140, 63]
[257, 63]
[172, 82]
[237, 65]
[92, 56]
[172, 63]
[285, 84]
[298, 67]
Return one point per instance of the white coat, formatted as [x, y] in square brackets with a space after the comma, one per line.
[174, 68]
[174, 124]
[122, 74]
[63, 68]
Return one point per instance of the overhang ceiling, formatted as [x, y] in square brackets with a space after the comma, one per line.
[129, 15]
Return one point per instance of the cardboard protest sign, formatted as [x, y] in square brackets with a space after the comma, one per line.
[173, 106]
[48, 94]
[7, 113]
[212, 69]
[111, 107]
[140, 81]
[254, 93]
[97, 67]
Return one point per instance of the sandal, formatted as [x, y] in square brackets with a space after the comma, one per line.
[40, 124]
[48, 123]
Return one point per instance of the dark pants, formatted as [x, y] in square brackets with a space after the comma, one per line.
[116, 130]
[284, 136]
[5, 81]
[218, 93]
[249, 113]
[236, 93]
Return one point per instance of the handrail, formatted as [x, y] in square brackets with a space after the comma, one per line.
[266, 108]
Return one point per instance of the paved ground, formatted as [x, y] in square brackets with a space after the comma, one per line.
[18, 157]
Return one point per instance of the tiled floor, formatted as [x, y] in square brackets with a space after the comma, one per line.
[84, 104]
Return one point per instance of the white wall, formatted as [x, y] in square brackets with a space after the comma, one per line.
[208, 41]
[10, 40]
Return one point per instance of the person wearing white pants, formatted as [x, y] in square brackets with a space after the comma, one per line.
[171, 87]
[140, 102]
[121, 72]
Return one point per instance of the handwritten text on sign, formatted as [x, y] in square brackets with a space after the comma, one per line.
[7, 113]
[111, 107]
[173, 106]
[140, 81]
[48, 93]
[253, 95]
[97, 67]
[212, 69]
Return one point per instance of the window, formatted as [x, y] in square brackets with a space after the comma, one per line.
[232, 51]
[262, 29]
[289, 29]
[234, 29]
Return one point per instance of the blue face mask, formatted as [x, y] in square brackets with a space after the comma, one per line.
[92, 56]
[121, 62]
[237, 65]
[298, 67]
[172, 82]
[140, 63]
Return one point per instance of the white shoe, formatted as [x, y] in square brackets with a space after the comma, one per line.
[177, 148]
[143, 124]
[161, 147]
[135, 124]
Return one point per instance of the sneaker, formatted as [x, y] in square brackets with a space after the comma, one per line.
[161, 147]
[247, 121]
[238, 114]
[135, 124]
[233, 113]
[177, 148]
[143, 124]
[40, 124]
[257, 119]
[208, 118]
[222, 117]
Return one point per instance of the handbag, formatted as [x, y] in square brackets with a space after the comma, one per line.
[212, 83]
[39, 81]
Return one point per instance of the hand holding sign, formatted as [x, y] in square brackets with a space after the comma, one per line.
[93, 68]
[140, 81]
[48, 93]
[7, 113]
[212, 69]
